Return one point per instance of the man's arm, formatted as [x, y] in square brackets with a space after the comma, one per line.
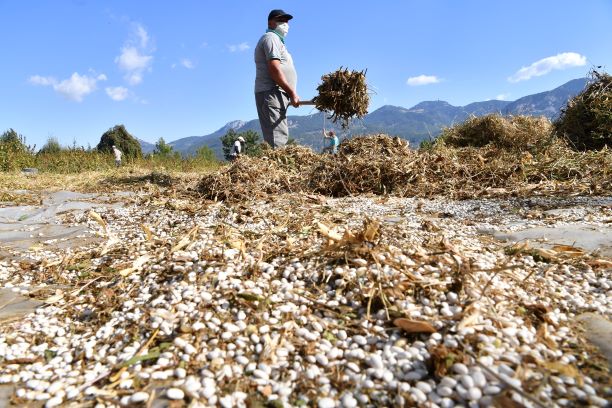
[274, 67]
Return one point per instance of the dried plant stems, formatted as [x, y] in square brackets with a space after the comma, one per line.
[586, 121]
[344, 94]
[380, 164]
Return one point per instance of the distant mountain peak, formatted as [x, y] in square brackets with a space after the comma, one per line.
[390, 108]
[431, 104]
[234, 124]
[548, 103]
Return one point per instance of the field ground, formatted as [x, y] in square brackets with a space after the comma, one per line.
[125, 288]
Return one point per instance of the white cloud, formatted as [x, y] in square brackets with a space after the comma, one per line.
[187, 63]
[502, 97]
[77, 86]
[132, 60]
[74, 88]
[423, 80]
[545, 65]
[142, 35]
[134, 63]
[40, 80]
[133, 78]
[117, 93]
[135, 58]
[238, 47]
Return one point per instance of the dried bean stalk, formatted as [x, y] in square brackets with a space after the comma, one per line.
[344, 94]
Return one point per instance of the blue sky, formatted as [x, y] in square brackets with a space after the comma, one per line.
[72, 69]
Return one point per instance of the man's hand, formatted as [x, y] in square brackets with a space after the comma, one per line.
[295, 100]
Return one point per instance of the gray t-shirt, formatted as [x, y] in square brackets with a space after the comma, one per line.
[271, 47]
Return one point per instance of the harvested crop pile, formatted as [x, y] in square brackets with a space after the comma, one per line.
[344, 94]
[521, 133]
[586, 121]
[277, 171]
[376, 164]
[291, 156]
[380, 164]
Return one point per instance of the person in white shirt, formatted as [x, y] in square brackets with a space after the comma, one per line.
[237, 148]
[118, 155]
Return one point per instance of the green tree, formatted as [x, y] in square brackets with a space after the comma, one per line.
[163, 149]
[206, 154]
[14, 153]
[252, 146]
[121, 138]
[10, 136]
[51, 147]
[15, 141]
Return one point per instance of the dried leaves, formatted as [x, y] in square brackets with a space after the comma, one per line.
[414, 326]
[344, 93]
[443, 358]
[558, 253]
[368, 234]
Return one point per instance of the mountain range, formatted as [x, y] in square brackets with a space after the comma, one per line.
[421, 122]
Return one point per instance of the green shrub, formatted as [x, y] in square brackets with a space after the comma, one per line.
[52, 146]
[14, 153]
[206, 154]
[12, 137]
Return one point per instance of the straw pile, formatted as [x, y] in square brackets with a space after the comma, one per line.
[508, 132]
[275, 172]
[379, 164]
[376, 164]
[586, 121]
[344, 94]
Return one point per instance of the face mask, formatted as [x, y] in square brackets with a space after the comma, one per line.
[282, 28]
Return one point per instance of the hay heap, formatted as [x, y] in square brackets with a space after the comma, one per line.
[275, 172]
[520, 133]
[380, 164]
[376, 164]
[344, 94]
[586, 121]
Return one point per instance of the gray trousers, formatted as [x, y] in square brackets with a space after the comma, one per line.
[272, 111]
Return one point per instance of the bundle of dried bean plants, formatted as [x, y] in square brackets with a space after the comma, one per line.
[344, 94]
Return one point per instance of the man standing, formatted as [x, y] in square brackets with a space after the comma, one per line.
[118, 155]
[275, 80]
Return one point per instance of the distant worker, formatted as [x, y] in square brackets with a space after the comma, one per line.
[237, 148]
[331, 142]
[275, 80]
[118, 155]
